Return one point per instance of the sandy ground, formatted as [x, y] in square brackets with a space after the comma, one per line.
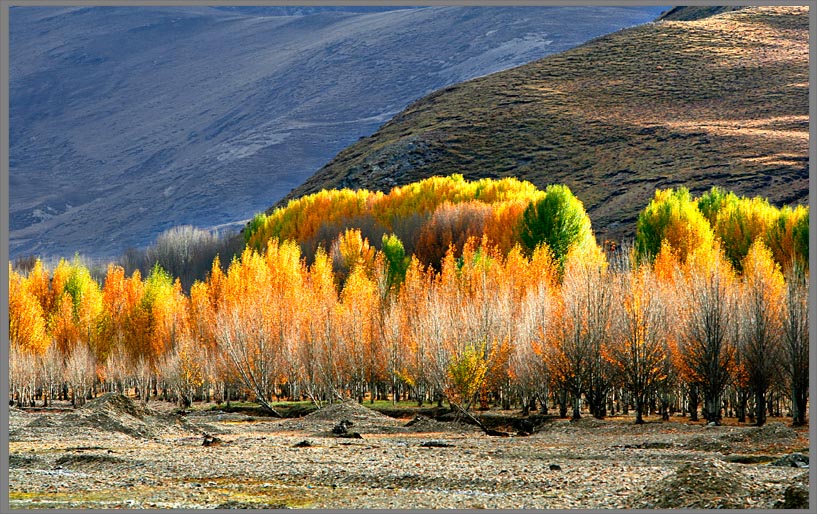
[113, 453]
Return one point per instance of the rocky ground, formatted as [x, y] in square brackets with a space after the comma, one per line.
[114, 453]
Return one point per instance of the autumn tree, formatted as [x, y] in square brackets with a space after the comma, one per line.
[350, 250]
[762, 322]
[320, 343]
[638, 346]
[243, 330]
[157, 320]
[739, 222]
[533, 328]
[672, 215]
[257, 316]
[78, 308]
[27, 329]
[451, 225]
[286, 273]
[787, 237]
[491, 287]
[38, 282]
[584, 322]
[467, 372]
[358, 329]
[707, 314]
[183, 368]
[796, 341]
[79, 372]
[414, 301]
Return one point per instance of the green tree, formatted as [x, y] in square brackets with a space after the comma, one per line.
[398, 262]
[714, 201]
[558, 220]
[674, 216]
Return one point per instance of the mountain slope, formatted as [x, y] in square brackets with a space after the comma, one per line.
[126, 121]
[717, 101]
[690, 12]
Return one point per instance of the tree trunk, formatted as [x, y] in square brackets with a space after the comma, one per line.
[664, 409]
[760, 407]
[799, 399]
[712, 408]
[562, 401]
[639, 409]
[693, 403]
[743, 399]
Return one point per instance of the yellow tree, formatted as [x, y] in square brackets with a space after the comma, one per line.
[529, 367]
[350, 250]
[761, 323]
[638, 346]
[27, 329]
[487, 289]
[584, 320]
[707, 313]
[357, 324]
[787, 237]
[157, 320]
[672, 215]
[39, 284]
[319, 349]
[739, 224]
[78, 308]
[414, 308]
[119, 327]
[285, 272]
[243, 327]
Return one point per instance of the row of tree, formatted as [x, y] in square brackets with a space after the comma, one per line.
[430, 215]
[515, 328]
[550, 318]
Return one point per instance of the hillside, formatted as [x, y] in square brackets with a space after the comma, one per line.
[127, 121]
[716, 101]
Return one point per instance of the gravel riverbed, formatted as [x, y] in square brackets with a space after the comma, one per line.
[114, 454]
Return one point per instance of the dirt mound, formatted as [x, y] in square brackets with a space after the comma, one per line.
[708, 443]
[114, 412]
[117, 404]
[700, 485]
[89, 460]
[774, 432]
[110, 412]
[235, 504]
[21, 460]
[351, 411]
[422, 423]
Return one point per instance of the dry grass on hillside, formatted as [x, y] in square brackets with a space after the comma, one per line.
[718, 101]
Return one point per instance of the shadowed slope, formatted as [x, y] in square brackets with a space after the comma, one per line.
[127, 121]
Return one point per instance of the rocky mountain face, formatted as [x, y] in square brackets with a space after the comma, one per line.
[721, 100]
[127, 121]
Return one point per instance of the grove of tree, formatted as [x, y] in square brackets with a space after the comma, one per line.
[475, 293]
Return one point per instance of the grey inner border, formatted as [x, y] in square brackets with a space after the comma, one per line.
[4, 165]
